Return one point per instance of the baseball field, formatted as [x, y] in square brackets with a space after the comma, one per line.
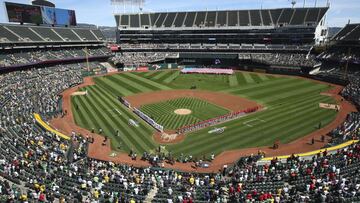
[291, 110]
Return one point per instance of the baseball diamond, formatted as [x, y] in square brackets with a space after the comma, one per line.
[289, 112]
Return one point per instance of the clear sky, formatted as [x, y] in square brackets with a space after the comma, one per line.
[100, 12]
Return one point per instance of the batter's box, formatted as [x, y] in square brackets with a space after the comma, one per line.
[253, 122]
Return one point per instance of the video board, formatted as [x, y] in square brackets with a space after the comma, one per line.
[23, 13]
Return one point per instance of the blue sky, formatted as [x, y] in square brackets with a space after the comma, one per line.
[100, 12]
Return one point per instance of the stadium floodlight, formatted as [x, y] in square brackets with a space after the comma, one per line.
[128, 3]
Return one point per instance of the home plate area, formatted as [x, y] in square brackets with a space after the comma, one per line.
[251, 123]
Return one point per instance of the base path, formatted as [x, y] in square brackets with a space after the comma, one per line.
[228, 101]
[96, 150]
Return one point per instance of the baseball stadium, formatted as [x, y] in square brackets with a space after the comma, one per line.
[254, 104]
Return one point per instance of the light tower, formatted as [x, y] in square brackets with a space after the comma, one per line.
[293, 2]
[128, 6]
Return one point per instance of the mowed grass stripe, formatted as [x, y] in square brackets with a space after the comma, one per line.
[144, 126]
[79, 114]
[150, 73]
[304, 90]
[256, 78]
[248, 78]
[102, 115]
[278, 129]
[325, 116]
[162, 74]
[122, 122]
[267, 115]
[300, 124]
[252, 92]
[172, 77]
[241, 78]
[276, 116]
[263, 77]
[97, 117]
[112, 87]
[294, 86]
[287, 119]
[133, 83]
[168, 73]
[233, 82]
[131, 131]
[140, 82]
[250, 87]
[78, 118]
[147, 81]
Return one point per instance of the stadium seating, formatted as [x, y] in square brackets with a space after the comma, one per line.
[281, 59]
[350, 32]
[40, 162]
[31, 57]
[214, 19]
[25, 33]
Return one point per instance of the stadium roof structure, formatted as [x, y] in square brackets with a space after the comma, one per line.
[239, 19]
[350, 33]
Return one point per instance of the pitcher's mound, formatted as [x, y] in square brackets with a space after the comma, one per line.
[182, 111]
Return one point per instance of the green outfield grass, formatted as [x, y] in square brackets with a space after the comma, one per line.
[163, 112]
[292, 110]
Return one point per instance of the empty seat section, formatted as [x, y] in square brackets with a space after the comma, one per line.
[299, 16]
[66, 34]
[255, 17]
[275, 14]
[159, 22]
[134, 20]
[124, 20]
[179, 19]
[244, 18]
[266, 17]
[117, 20]
[221, 19]
[354, 35]
[4, 33]
[85, 34]
[200, 19]
[344, 31]
[154, 17]
[25, 32]
[169, 19]
[189, 21]
[321, 13]
[286, 16]
[210, 19]
[312, 15]
[233, 18]
[145, 20]
[47, 33]
[99, 34]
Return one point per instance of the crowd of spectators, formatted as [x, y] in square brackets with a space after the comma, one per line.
[281, 59]
[35, 56]
[340, 54]
[352, 91]
[141, 58]
[37, 165]
[210, 46]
